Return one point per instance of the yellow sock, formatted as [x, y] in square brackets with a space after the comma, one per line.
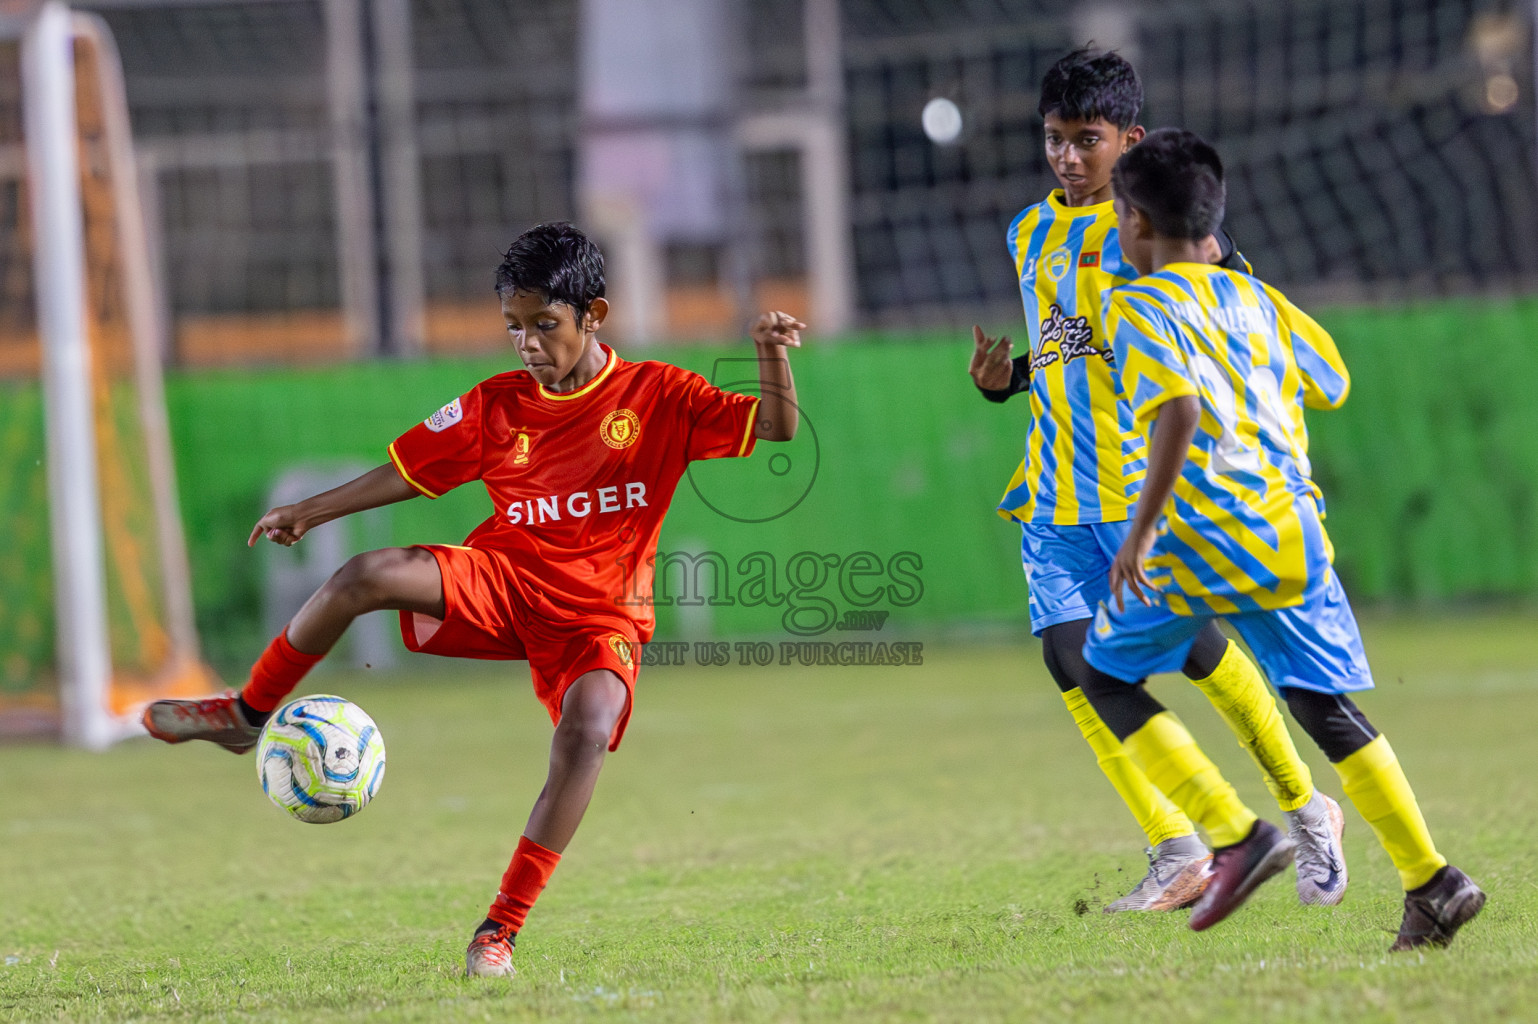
[1173, 762]
[1376, 784]
[1239, 693]
[1156, 816]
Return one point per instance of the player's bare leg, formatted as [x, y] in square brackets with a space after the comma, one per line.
[394, 579]
[400, 579]
[589, 711]
[591, 708]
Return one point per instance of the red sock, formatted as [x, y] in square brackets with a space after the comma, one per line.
[276, 673]
[525, 879]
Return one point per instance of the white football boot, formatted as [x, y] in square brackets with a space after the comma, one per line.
[1177, 873]
[215, 719]
[1316, 828]
[490, 955]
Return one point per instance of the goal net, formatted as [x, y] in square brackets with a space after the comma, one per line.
[93, 581]
[1381, 149]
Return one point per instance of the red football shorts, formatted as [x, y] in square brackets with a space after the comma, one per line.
[486, 616]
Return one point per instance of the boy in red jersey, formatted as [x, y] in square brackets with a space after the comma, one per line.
[580, 453]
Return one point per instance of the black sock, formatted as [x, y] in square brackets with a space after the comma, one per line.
[252, 716]
[489, 925]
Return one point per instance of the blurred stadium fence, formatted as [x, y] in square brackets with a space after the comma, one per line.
[1376, 149]
[1430, 470]
[334, 179]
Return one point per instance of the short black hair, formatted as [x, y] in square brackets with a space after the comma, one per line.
[1176, 179]
[555, 261]
[1089, 84]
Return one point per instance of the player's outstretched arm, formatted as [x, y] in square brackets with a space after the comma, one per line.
[1174, 426]
[778, 415]
[287, 523]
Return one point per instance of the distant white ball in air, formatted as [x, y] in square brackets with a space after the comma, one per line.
[942, 121]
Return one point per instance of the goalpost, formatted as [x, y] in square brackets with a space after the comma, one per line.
[121, 611]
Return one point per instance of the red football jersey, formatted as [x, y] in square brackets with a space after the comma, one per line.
[579, 481]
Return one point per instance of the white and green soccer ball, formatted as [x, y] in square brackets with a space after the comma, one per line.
[320, 758]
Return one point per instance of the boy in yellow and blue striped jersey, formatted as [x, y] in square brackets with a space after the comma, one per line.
[1082, 469]
[1216, 366]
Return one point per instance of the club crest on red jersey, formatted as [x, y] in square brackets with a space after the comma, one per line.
[521, 445]
[621, 648]
[620, 428]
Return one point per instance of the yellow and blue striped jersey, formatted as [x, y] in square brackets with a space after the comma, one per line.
[1080, 444]
[1242, 530]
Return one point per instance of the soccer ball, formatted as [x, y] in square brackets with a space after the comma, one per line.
[320, 758]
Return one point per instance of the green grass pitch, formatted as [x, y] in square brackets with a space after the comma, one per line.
[770, 844]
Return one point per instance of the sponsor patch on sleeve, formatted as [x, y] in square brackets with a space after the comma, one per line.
[445, 418]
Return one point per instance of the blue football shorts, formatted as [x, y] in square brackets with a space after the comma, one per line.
[1067, 569]
[1313, 646]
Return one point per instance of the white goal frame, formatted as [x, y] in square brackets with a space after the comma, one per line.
[50, 128]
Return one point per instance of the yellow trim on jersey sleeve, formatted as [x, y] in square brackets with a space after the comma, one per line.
[400, 467]
[747, 432]
[603, 374]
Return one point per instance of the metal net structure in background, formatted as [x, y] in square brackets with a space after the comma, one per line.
[1380, 148]
[270, 146]
[28, 699]
[496, 92]
[334, 179]
[228, 107]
